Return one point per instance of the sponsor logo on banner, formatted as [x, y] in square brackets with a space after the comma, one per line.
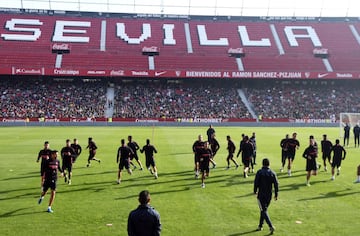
[160, 73]
[322, 75]
[140, 73]
[307, 74]
[146, 120]
[178, 73]
[13, 120]
[117, 73]
[66, 72]
[27, 71]
[344, 75]
[200, 120]
[96, 72]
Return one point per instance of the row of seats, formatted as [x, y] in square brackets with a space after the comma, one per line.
[343, 48]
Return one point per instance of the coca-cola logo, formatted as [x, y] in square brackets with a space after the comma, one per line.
[150, 49]
[62, 46]
[321, 51]
[236, 51]
[117, 72]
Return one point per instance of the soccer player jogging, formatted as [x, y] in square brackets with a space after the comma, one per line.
[292, 144]
[52, 165]
[92, 151]
[123, 159]
[339, 155]
[149, 158]
[214, 146]
[231, 150]
[77, 148]
[326, 147]
[67, 154]
[44, 154]
[284, 151]
[134, 147]
[197, 147]
[265, 180]
[247, 151]
[310, 154]
[204, 161]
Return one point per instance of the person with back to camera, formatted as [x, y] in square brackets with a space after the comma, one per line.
[326, 147]
[339, 155]
[356, 131]
[265, 180]
[346, 134]
[144, 220]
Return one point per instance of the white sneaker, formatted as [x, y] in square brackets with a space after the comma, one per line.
[202, 185]
[289, 172]
[332, 177]
[281, 170]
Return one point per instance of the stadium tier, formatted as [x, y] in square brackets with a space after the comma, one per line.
[129, 46]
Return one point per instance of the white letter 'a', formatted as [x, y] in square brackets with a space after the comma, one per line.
[146, 33]
[311, 34]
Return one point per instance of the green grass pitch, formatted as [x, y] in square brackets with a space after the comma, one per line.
[95, 205]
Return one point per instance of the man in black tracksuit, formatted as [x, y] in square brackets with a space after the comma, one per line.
[264, 181]
[144, 220]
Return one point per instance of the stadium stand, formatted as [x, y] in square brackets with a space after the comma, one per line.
[47, 98]
[98, 43]
[194, 76]
[188, 100]
[278, 100]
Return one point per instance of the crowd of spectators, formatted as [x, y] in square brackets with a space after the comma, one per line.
[154, 100]
[304, 100]
[50, 98]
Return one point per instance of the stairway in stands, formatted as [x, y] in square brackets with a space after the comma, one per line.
[109, 106]
[247, 103]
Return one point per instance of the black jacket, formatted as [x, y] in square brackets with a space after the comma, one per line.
[144, 221]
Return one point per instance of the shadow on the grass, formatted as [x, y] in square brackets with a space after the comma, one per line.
[340, 193]
[247, 232]
[25, 176]
[18, 212]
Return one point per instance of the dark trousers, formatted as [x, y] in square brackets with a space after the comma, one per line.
[263, 205]
[356, 140]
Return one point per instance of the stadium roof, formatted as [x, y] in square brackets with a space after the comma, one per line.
[286, 8]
